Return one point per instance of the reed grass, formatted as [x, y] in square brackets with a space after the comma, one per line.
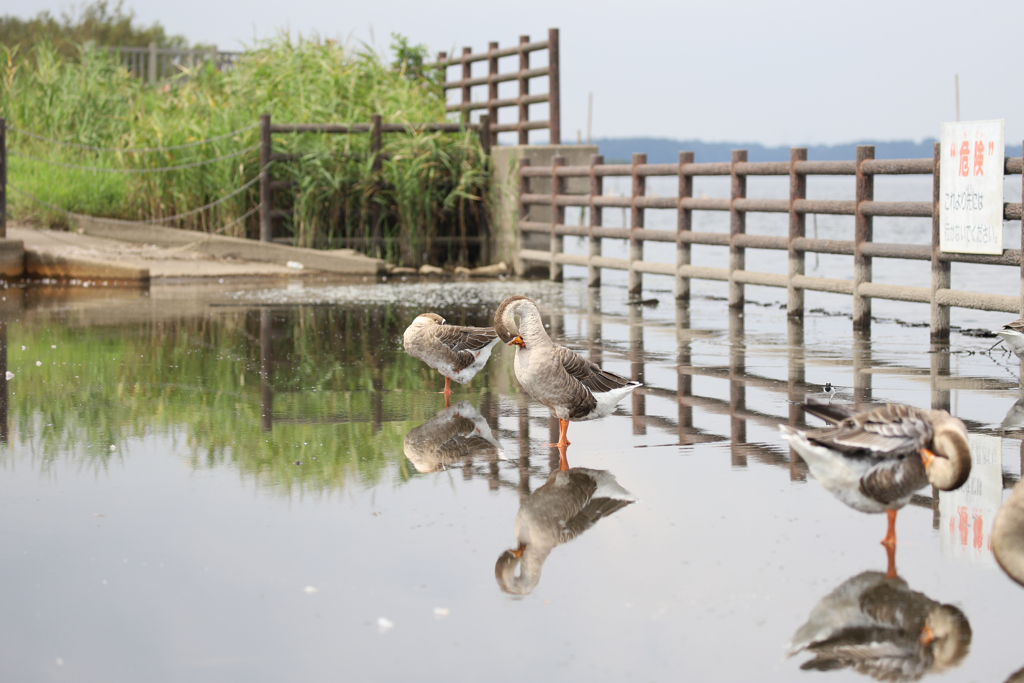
[429, 184]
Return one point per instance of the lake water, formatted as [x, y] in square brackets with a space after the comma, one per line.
[215, 483]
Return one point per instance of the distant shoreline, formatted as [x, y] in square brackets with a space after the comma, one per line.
[666, 150]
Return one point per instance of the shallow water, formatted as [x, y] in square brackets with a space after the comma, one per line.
[217, 484]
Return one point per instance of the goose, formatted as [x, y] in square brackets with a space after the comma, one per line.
[1008, 535]
[1013, 334]
[570, 502]
[454, 434]
[877, 626]
[458, 353]
[572, 387]
[874, 460]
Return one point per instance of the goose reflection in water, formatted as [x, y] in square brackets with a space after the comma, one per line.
[454, 435]
[1008, 535]
[1014, 416]
[570, 502]
[877, 626]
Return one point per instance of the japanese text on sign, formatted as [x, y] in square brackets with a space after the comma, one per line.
[971, 187]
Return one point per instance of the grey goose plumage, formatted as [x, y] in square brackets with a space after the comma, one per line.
[457, 352]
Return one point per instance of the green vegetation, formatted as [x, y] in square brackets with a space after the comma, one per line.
[345, 393]
[429, 184]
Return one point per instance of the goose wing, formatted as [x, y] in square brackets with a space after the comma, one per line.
[890, 431]
[464, 343]
[1015, 326]
[588, 373]
[595, 509]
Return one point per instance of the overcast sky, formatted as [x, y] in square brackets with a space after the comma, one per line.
[775, 72]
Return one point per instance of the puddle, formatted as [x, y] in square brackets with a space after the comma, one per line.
[258, 483]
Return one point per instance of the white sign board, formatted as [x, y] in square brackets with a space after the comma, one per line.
[971, 187]
[966, 515]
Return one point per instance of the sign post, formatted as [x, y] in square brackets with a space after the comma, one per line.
[971, 187]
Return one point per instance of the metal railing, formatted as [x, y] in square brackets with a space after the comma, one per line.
[523, 76]
[863, 208]
[156, 64]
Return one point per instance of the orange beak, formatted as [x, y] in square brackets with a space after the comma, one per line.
[926, 457]
[927, 635]
[518, 341]
[518, 552]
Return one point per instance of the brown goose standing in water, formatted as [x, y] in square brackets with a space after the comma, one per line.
[572, 387]
[1008, 535]
[569, 503]
[458, 353]
[874, 460]
[877, 626]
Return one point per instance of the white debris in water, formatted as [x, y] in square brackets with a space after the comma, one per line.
[10, 375]
[312, 589]
[440, 612]
[38, 363]
[295, 265]
[384, 625]
[113, 447]
[53, 346]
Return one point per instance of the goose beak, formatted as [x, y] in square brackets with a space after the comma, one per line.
[927, 635]
[518, 341]
[926, 457]
[518, 553]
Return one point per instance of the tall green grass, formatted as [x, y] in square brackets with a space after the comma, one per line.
[429, 184]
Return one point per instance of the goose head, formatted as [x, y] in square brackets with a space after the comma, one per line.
[947, 633]
[505, 319]
[428, 319]
[505, 571]
[948, 462]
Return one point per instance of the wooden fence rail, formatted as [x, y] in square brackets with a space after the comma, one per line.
[523, 76]
[863, 208]
[159, 63]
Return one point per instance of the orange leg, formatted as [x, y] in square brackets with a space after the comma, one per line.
[447, 391]
[890, 538]
[890, 551]
[563, 461]
[563, 441]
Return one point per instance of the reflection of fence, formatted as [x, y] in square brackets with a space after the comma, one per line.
[159, 63]
[863, 208]
[523, 76]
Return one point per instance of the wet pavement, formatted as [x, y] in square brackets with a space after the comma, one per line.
[253, 482]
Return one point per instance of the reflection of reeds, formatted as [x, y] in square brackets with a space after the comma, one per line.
[429, 184]
[336, 372]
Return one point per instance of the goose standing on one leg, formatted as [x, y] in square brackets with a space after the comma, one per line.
[458, 353]
[874, 460]
[572, 387]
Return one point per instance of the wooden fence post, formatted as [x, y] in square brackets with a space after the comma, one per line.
[737, 226]
[467, 73]
[523, 213]
[524, 90]
[3, 178]
[797, 229]
[596, 190]
[557, 217]
[377, 248]
[862, 234]
[492, 91]
[684, 224]
[266, 196]
[554, 96]
[151, 71]
[941, 270]
[636, 221]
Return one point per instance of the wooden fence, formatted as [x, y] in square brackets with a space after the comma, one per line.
[159, 63]
[376, 128]
[863, 208]
[522, 102]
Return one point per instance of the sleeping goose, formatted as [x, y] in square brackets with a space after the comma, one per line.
[1013, 334]
[572, 387]
[456, 433]
[874, 460]
[877, 626]
[1008, 535]
[456, 352]
[569, 503]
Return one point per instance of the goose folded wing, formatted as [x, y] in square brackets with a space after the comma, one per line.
[1015, 326]
[464, 338]
[594, 510]
[889, 432]
[590, 374]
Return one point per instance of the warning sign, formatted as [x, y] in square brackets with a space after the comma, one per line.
[971, 187]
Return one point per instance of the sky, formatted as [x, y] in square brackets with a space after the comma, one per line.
[783, 72]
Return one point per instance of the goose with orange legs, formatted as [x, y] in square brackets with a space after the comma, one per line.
[458, 353]
[572, 387]
[874, 460]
